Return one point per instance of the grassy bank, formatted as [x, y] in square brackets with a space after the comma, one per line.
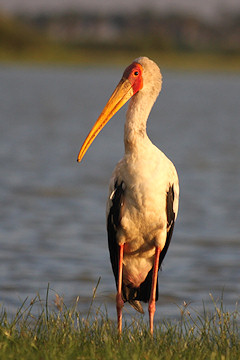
[23, 42]
[62, 333]
[54, 54]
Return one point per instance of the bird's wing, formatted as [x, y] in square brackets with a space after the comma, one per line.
[115, 209]
[114, 216]
[171, 216]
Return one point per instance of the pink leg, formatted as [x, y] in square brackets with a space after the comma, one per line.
[151, 306]
[119, 300]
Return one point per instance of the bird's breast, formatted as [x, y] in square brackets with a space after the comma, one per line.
[143, 213]
[145, 179]
[147, 176]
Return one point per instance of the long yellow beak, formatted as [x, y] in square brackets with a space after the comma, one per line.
[120, 96]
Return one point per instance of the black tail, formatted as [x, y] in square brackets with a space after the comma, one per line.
[142, 293]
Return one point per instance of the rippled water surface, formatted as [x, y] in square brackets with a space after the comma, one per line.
[52, 215]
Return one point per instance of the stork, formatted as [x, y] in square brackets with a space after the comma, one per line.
[143, 196]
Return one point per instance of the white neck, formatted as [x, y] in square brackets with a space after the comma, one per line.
[135, 134]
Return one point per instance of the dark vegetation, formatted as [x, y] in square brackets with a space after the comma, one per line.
[80, 37]
[143, 31]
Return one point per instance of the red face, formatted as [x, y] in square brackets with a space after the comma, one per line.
[134, 74]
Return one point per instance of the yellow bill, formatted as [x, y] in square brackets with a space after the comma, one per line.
[120, 96]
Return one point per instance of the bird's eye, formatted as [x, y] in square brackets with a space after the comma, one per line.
[136, 73]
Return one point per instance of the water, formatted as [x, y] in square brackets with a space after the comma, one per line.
[52, 212]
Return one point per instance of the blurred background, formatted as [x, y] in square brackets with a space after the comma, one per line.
[80, 31]
[59, 62]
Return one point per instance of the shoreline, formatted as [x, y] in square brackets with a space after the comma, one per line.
[180, 61]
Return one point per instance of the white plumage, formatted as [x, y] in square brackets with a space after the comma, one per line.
[144, 226]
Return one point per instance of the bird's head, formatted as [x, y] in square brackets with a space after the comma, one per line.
[143, 75]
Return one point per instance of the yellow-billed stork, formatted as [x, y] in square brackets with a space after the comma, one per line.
[143, 195]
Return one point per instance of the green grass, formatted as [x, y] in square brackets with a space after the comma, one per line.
[62, 333]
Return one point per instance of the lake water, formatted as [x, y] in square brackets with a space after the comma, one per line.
[52, 215]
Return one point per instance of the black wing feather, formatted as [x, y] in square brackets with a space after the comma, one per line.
[113, 222]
